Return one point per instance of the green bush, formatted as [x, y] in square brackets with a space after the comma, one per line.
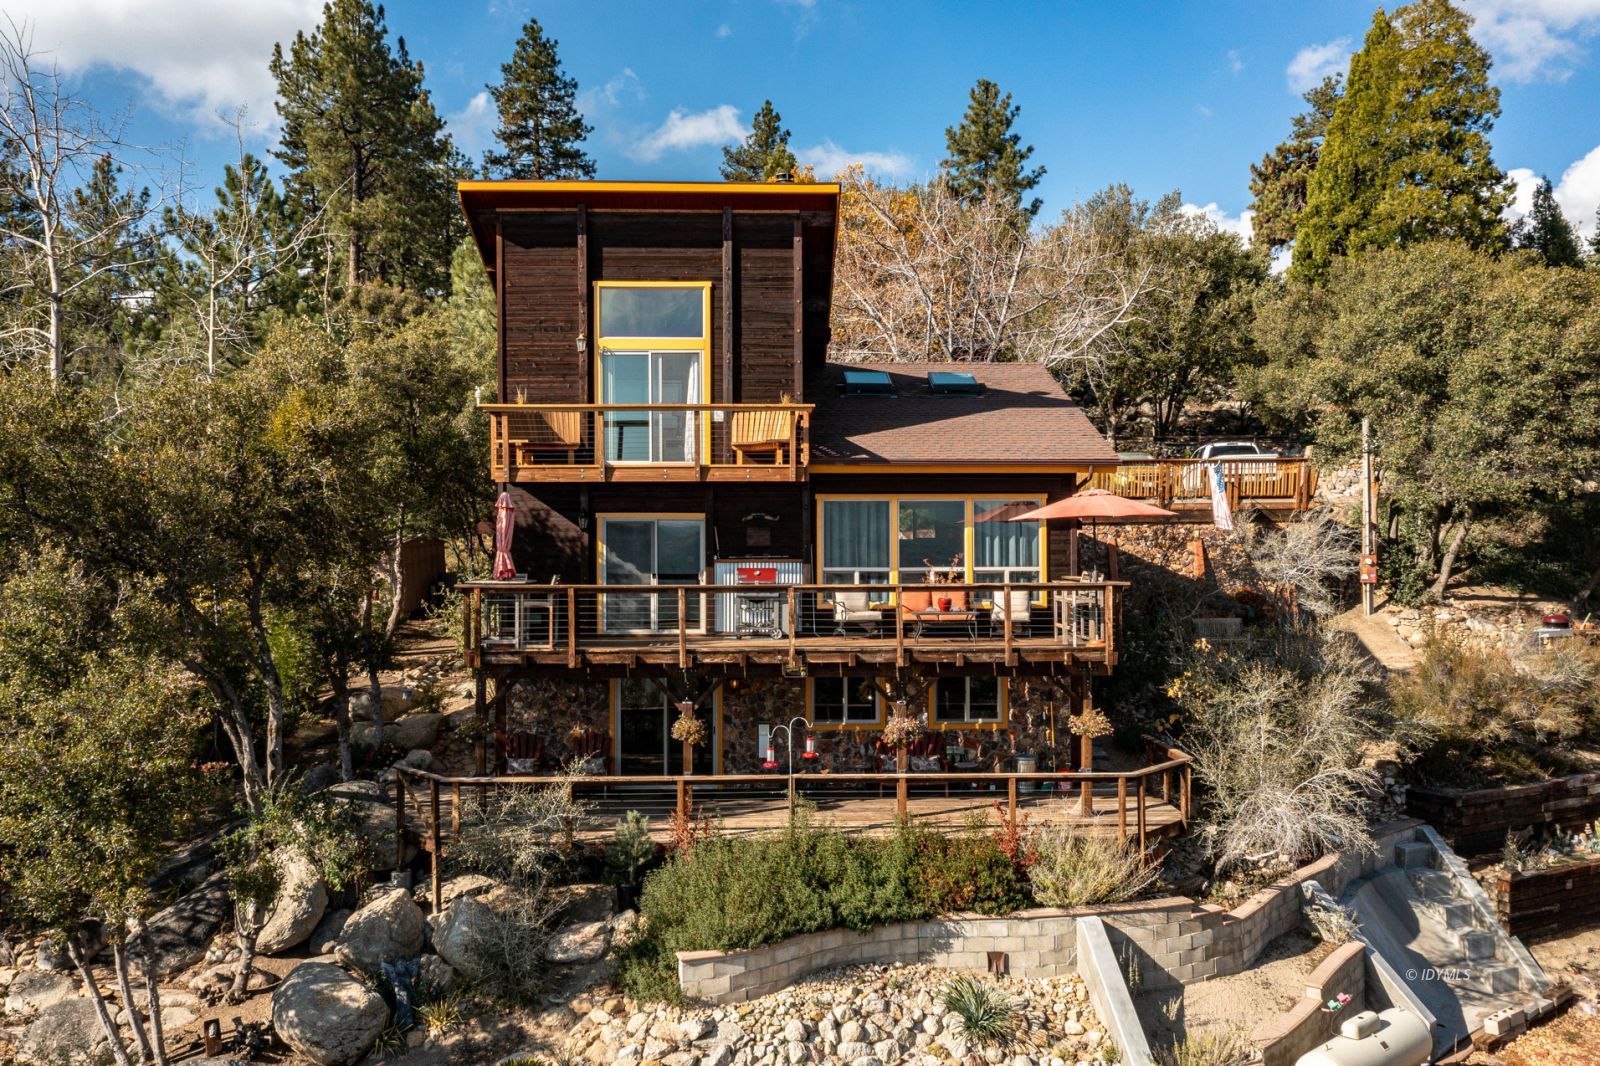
[731, 893]
[629, 850]
[987, 1015]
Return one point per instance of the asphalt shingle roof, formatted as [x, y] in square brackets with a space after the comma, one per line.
[1021, 416]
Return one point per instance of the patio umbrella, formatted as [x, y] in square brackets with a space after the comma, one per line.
[1091, 505]
[505, 525]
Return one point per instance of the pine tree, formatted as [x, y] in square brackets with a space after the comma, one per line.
[764, 154]
[362, 143]
[1407, 158]
[111, 311]
[540, 130]
[1279, 181]
[1594, 240]
[984, 156]
[1547, 231]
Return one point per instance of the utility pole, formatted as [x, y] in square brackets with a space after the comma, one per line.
[1369, 519]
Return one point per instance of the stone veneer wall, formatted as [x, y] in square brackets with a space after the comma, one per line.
[1306, 1025]
[1173, 940]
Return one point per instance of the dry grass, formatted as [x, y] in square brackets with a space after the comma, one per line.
[1074, 869]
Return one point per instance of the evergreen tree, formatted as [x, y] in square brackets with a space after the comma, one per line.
[1547, 231]
[363, 143]
[540, 130]
[1594, 241]
[1407, 158]
[764, 154]
[984, 155]
[111, 312]
[1279, 181]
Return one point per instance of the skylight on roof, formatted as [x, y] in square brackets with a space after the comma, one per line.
[867, 383]
[953, 382]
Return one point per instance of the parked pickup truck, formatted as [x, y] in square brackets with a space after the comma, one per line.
[1234, 449]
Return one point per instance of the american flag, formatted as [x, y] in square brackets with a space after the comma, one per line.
[1221, 516]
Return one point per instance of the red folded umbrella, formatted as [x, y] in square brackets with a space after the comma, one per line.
[505, 526]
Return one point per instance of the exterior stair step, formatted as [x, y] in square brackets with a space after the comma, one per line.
[1413, 855]
[1475, 943]
[1492, 977]
[1433, 884]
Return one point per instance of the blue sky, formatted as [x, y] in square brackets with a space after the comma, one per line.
[1159, 95]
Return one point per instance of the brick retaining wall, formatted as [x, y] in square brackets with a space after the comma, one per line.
[1540, 903]
[1476, 823]
[1173, 941]
[1307, 1025]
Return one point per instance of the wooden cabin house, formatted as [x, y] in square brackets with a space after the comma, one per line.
[712, 519]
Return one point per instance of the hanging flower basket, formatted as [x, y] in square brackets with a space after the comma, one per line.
[900, 730]
[688, 729]
[1091, 723]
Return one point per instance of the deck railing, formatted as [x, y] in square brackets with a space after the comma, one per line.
[1287, 481]
[1139, 805]
[648, 442]
[516, 617]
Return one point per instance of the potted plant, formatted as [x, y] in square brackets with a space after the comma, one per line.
[898, 733]
[949, 575]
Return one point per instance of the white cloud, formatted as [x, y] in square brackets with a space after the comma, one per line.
[1238, 225]
[618, 89]
[1202, 110]
[724, 31]
[1577, 192]
[1316, 61]
[828, 159]
[473, 126]
[197, 58]
[1530, 39]
[1235, 61]
[684, 130]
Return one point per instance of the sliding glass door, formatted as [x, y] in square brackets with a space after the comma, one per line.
[650, 378]
[650, 551]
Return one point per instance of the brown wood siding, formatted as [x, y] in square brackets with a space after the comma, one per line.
[549, 541]
[777, 509]
[541, 315]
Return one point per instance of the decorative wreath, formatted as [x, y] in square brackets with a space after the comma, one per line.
[1091, 723]
[688, 729]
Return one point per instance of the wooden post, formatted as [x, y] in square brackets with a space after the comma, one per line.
[794, 622]
[683, 628]
[572, 627]
[1166, 786]
[1141, 814]
[399, 822]
[899, 628]
[1011, 801]
[1187, 786]
[480, 709]
[727, 390]
[433, 843]
[799, 311]
[1005, 611]
[1086, 764]
[683, 799]
[1122, 808]
[901, 787]
[455, 810]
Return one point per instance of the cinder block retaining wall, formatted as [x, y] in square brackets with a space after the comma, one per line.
[1173, 940]
[1307, 1024]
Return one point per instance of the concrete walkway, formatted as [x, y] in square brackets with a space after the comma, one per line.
[1379, 639]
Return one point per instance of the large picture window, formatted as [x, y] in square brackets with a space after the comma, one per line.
[654, 311]
[842, 701]
[967, 701]
[653, 352]
[641, 550]
[856, 549]
[905, 539]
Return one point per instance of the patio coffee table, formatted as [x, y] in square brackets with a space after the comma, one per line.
[921, 621]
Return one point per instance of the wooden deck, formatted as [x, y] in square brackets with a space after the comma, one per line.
[1140, 806]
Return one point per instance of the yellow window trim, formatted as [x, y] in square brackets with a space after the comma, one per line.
[614, 705]
[841, 727]
[970, 499]
[1005, 706]
[701, 344]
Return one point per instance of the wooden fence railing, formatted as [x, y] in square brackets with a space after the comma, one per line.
[1290, 481]
[1143, 804]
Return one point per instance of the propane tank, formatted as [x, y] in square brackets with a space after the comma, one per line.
[1394, 1037]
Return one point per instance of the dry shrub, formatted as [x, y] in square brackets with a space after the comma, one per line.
[1227, 1048]
[1489, 716]
[1074, 869]
[1277, 730]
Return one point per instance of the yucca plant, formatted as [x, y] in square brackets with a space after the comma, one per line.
[987, 1015]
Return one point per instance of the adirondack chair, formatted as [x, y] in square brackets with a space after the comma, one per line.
[761, 432]
[593, 744]
[522, 753]
[553, 431]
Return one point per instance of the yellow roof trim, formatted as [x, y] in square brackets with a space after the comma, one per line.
[768, 187]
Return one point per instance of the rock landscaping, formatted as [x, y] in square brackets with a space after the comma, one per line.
[862, 1015]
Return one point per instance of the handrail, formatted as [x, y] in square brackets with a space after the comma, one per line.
[1291, 478]
[536, 588]
[512, 408]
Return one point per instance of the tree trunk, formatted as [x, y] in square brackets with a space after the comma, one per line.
[370, 662]
[119, 1050]
[392, 623]
[247, 928]
[119, 958]
[340, 681]
[152, 988]
[1448, 563]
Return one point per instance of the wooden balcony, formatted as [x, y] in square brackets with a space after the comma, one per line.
[1279, 485]
[531, 442]
[679, 626]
